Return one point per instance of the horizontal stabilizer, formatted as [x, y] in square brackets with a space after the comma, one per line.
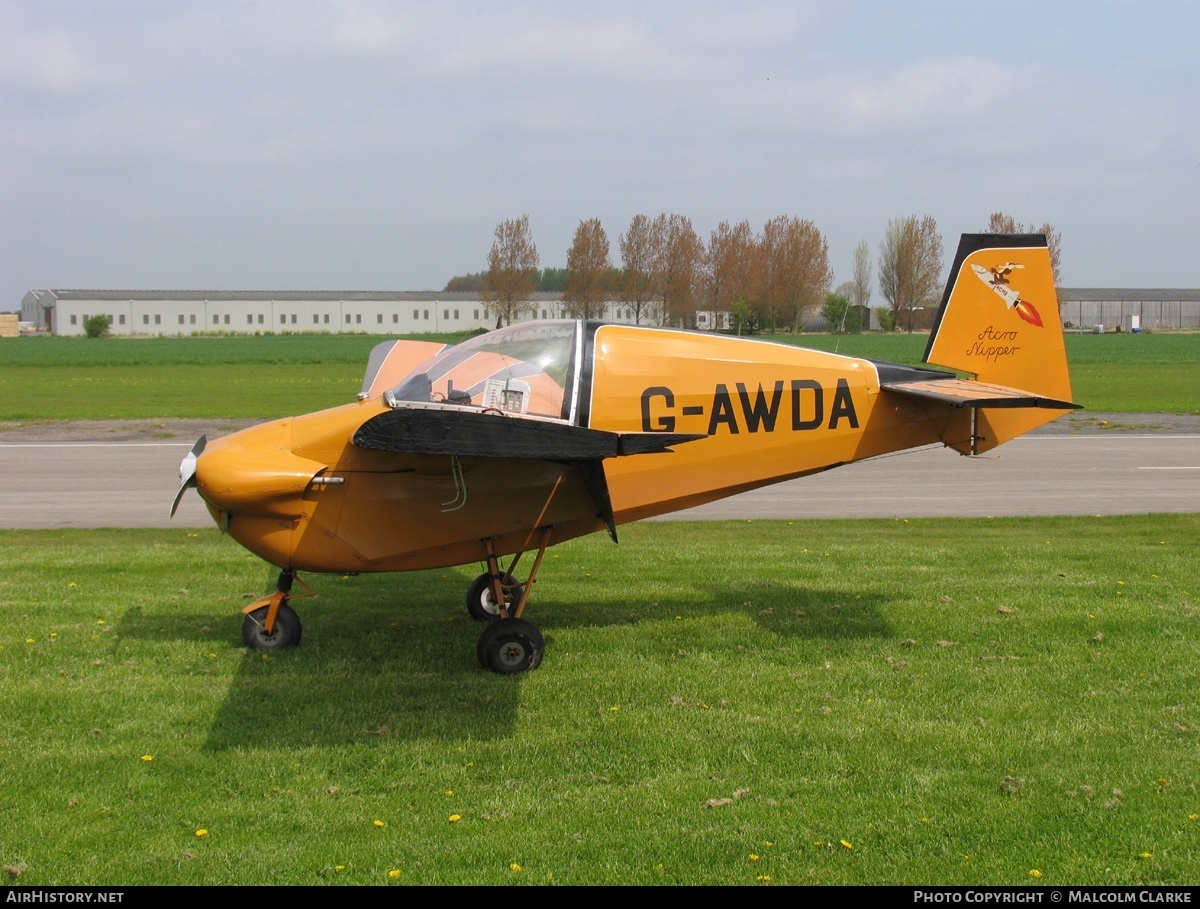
[489, 435]
[967, 393]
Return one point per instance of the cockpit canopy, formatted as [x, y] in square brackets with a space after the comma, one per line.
[529, 368]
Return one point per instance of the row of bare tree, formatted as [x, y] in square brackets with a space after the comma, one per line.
[772, 277]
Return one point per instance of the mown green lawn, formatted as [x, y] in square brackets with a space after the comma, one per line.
[810, 702]
[272, 375]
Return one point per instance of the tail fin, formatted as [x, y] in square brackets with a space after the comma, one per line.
[999, 320]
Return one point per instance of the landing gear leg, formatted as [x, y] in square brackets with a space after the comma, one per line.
[270, 623]
[510, 644]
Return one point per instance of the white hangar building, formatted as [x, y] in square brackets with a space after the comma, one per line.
[187, 312]
[1148, 308]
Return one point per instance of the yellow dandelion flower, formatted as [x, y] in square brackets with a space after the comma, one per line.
[72, 584]
[201, 832]
[1194, 817]
[53, 634]
[846, 845]
[1034, 873]
[29, 641]
[99, 621]
[765, 878]
[455, 818]
[613, 709]
[1146, 855]
[339, 867]
[515, 868]
[768, 843]
[449, 792]
[147, 758]
[394, 874]
[378, 823]
[753, 857]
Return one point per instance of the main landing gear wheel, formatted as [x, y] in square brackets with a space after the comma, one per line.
[481, 604]
[286, 633]
[509, 646]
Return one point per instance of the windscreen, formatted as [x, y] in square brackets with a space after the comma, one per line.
[526, 368]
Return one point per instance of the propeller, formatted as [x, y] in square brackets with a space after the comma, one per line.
[187, 471]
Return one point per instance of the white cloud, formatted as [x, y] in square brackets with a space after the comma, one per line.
[45, 59]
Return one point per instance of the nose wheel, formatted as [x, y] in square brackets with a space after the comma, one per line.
[270, 623]
[285, 633]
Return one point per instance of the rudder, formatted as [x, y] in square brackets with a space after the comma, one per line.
[999, 321]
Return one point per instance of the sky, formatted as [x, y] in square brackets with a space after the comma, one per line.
[347, 145]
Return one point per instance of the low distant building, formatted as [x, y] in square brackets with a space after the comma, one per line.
[1120, 307]
[709, 320]
[188, 312]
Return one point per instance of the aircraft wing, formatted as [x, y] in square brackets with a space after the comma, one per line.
[490, 435]
[464, 433]
[967, 393]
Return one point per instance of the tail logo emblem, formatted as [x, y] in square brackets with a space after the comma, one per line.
[997, 279]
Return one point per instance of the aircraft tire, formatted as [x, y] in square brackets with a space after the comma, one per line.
[481, 605]
[286, 634]
[511, 646]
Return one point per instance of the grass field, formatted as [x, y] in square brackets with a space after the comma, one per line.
[248, 377]
[817, 702]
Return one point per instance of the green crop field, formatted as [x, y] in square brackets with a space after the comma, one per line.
[811, 702]
[271, 375]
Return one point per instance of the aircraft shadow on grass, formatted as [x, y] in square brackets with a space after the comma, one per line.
[386, 657]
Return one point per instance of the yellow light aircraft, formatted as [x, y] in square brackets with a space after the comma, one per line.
[544, 431]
